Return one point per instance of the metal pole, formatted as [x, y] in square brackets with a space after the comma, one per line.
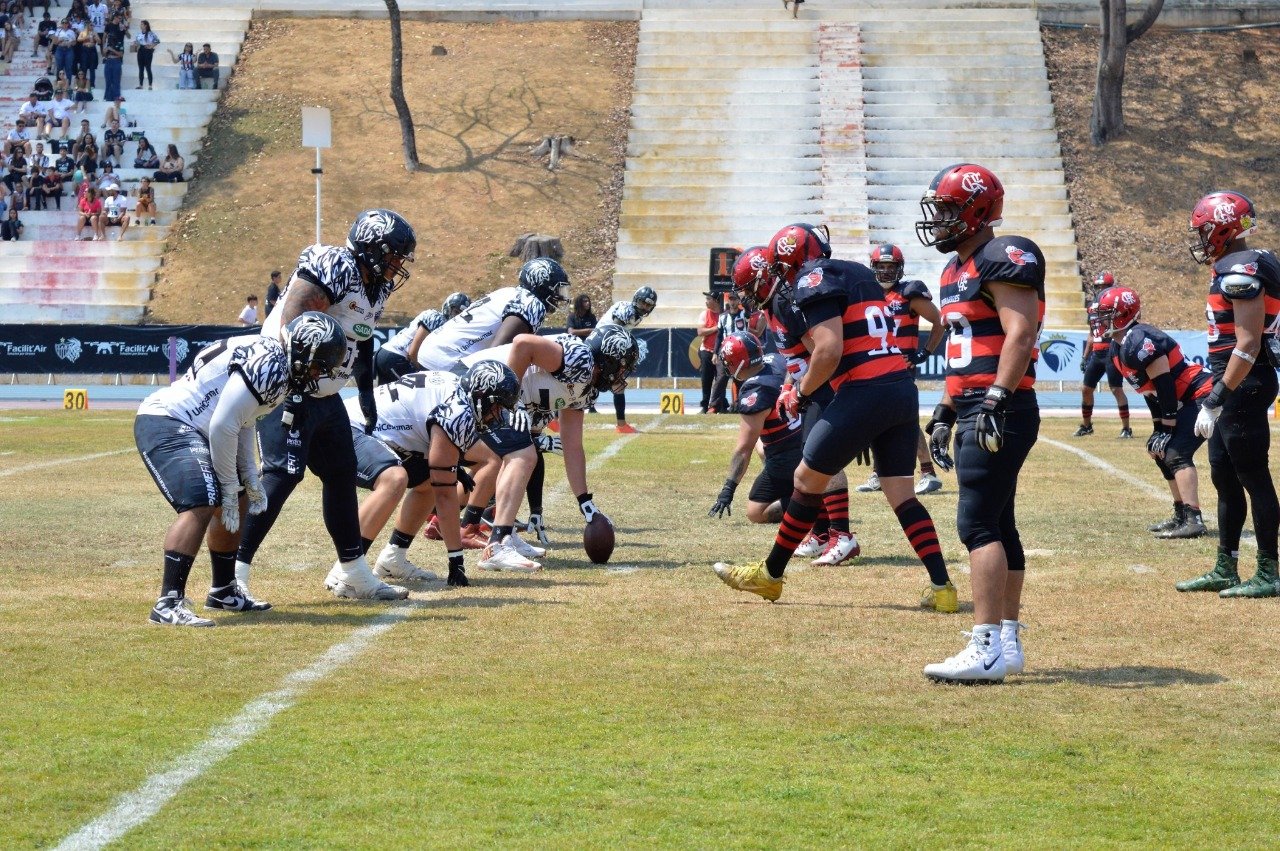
[317, 171]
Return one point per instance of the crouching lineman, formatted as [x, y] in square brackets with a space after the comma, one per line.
[399, 356]
[628, 314]
[1152, 362]
[874, 407]
[196, 438]
[1244, 353]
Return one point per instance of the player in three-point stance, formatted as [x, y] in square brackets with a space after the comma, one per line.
[628, 314]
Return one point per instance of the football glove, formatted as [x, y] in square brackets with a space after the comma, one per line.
[520, 420]
[586, 504]
[538, 528]
[1210, 410]
[464, 479]
[457, 572]
[791, 402]
[231, 509]
[257, 496]
[919, 356]
[725, 500]
[548, 443]
[939, 431]
[989, 429]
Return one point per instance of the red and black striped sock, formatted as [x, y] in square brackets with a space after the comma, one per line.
[1086, 413]
[836, 503]
[1124, 416]
[802, 510]
[918, 527]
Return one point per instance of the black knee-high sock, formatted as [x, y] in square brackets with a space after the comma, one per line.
[620, 406]
[1086, 413]
[255, 527]
[341, 509]
[177, 567]
[802, 510]
[917, 525]
[224, 568]
[365, 543]
[1266, 509]
[533, 490]
[820, 526]
[400, 539]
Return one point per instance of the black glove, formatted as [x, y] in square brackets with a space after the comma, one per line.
[1159, 440]
[292, 416]
[370, 410]
[863, 458]
[939, 431]
[990, 425]
[464, 479]
[457, 573]
[919, 356]
[725, 500]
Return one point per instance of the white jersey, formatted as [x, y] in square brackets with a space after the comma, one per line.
[474, 328]
[544, 393]
[622, 313]
[334, 270]
[192, 398]
[404, 337]
[407, 409]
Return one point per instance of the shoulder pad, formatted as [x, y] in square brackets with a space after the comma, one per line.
[578, 362]
[914, 289]
[756, 396]
[1239, 285]
[265, 368]
[526, 305]
[1013, 260]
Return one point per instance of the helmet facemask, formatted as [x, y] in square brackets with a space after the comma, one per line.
[942, 226]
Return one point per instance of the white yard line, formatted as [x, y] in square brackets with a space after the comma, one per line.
[44, 465]
[137, 807]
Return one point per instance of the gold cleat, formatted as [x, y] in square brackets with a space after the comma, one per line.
[754, 578]
[942, 599]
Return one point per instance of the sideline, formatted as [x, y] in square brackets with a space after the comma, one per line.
[137, 807]
[44, 465]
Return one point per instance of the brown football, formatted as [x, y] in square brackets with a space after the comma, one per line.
[598, 539]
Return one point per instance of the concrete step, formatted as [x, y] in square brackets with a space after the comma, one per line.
[714, 137]
[71, 286]
[936, 135]
[62, 232]
[966, 151]
[726, 89]
[711, 193]
[156, 12]
[95, 314]
[881, 115]
[703, 113]
[890, 167]
[947, 98]
[56, 261]
[916, 78]
[880, 126]
[1015, 207]
[911, 193]
[711, 73]
[635, 210]
[765, 154]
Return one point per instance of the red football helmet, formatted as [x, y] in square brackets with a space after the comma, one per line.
[1117, 309]
[887, 260]
[1104, 280]
[796, 245]
[1219, 219]
[740, 350]
[753, 277]
[962, 200]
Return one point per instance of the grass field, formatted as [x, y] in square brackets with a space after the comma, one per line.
[588, 707]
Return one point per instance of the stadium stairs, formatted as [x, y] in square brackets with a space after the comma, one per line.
[50, 276]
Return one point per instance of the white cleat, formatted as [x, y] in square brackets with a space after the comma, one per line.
[981, 662]
[525, 549]
[393, 563]
[812, 546]
[504, 556]
[1011, 641]
[871, 485]
[841, 546]
[928, 483]
[355, 581]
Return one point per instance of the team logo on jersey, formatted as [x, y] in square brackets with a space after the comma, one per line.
[810, 280]
[68, 349]
[972, 182]
[748, 401]
[1058, 353]
[786, 246]
[1225, 213]
[1019, 257]
[1245, 268]
[1148, 349]
[362, 331]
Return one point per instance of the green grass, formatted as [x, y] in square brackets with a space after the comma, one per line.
[586, 708]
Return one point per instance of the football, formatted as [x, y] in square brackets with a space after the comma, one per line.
[597, 539]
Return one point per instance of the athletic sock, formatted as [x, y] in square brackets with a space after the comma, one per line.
[1124, 416]
[836, 503]
[802, 510]
[471, 515]
[224, 568]
[365, 543]
[917, 525]
[177, 567]
[499, 534]
[926, 469]
[400, 539]
[533, 490]
[620, 406]
[1086, 414]
[820, 526]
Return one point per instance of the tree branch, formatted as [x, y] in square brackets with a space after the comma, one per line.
[1133, 32]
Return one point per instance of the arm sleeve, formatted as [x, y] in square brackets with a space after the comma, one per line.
[236, 412]
[1166, 395]
[362, 369]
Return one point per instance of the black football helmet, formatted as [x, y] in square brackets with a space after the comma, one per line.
[645, 300]
[547, 280]
[382, 243]
[494, 392]
[316, 346]
[455, 304]
[614, 352]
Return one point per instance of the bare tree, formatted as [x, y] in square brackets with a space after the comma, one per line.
[397, 90]
[1113, 47]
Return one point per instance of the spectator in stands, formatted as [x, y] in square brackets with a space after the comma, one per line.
[11, 228]
[249, 315]
[115, 212]
[19, 137]
[118, 18]
[35, 114]
[146, 156]
[87, 54]
[90, 214]
[207, 66]
[62, 84]
[109, 178]
[39, 160]
[146, 203]
[65, 165]
[60, 109]
[64, 49]
[273, 292]
[44, 38]
[83, 90]
[16, 176]
[707, 329]
[171, 167]
[582, 320]
[145, 43]
[97, 12]
[186, 62]
[10, 45]
[116, 111]
[84, 139]
[113, 143]
[88, 163]
[50, 187]
[113, 65]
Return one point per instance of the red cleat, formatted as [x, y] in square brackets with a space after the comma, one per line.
[623, 428]
[432, 532]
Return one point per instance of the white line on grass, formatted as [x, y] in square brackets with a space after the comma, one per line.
[137, 807]
[29, 468]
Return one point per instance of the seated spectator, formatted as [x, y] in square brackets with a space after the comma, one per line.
[90, 207]
[146, 202]
[207, 66]
[44, 38]
[84, 138]
[113, 143]
[249, 314]
[39, 160]
[65, 165]
[34, 113]
[16, 176]
[171, 167]
[60, 109]
[146, 156]
[109, 178]
[19, 137]
[83, 92]
[186, 62]
[115, 212]
[50, 186]
[11, 228]
[10, 44]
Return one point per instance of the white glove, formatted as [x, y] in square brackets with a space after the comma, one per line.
[588, 508]
[257, 496]
[548, 443]
[520, 420]
[538, 528]
[1206, 420]
[231, 509]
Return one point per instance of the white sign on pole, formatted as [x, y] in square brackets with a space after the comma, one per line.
[317, 127]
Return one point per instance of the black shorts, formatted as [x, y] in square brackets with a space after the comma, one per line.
[177, 456]
[373, 458]
[777, 480]
[389, 366]
[989, 481]
[1094, 369]
[884, 416]
[504, 440]
[321, 443]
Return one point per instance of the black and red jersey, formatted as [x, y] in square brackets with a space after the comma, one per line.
[905, 323]
[1143, 344]
[1099, 346]
[826, 289]
[760, 393]
[1241, 275]
[976, 338]
[786, 324]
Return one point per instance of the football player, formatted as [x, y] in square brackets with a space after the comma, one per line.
[908, 301]
[992, 300]
[1244, 353]
[196, 438]
[496, 319]
[874, 407]
[454, 303]
[398, 356]
[1100, 361]
[350, 283]
[756, 281]
[1152, 362]
[628, 314]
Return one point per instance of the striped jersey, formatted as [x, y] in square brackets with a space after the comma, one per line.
[760, 393]
[906, 324]
[1243, 275]
[1143, 344]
